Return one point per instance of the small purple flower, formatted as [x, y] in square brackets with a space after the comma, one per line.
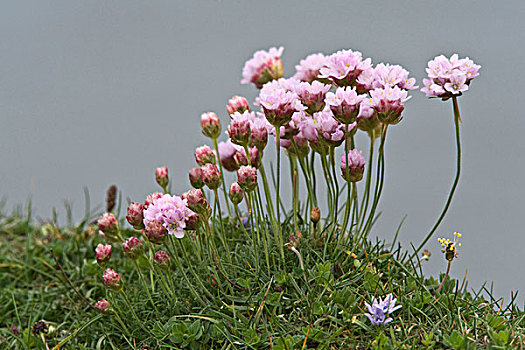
[389, 103]
[171, 211]
[279, 103]
[344, 104]
[312, 95]
[456, 83]
[379, 310]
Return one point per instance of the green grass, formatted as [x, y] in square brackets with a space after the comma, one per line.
[320, 307]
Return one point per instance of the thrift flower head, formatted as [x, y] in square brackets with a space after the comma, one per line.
[239, 128]
[367, 118]
[111, 280]
[344, 67]
[204, 155]
[108, 224]
[450, 247]
[312, 95]
[102, 306]
[324, 128]
[134, 216]
[379, 311]
[386, 75]
[344, 104]
[240, 157]
[236, 193]
[103, 253]
[278, 104]
[259, 133]
[195, 176]
[133, 247]
[161, 258]
[308, 68]
[171, 211]
[227, 152]
[237, 104]
[211, 125]
[263, 67]
[161, 176]
[196, 201]
[356, 166]
[211, 176]
[247, 178]
[150, 198]
[155, 232]
[449, 77]
[389, 103]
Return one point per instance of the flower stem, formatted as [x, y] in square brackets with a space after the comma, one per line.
[444, 278]
[216, 146]
[277, 189]
[457, 119]
[141, 276]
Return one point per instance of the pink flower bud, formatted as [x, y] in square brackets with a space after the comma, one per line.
[239, 131]
[227, 153]
[211, 125]
[135, 215]
[155, 232]
[259, 134]
[151, 198]
[240, 157]
[237, 104]
[247, 178]
[161, 258]
[108, 224]
[236, 193]
[204, 155]
[211, 176]
[133, 247]
[102, 306]
[195, 175]
[112, 280]
[356, 166]
[265, 66]
[161, 176]
[192, 222]
[196, 201]
[103, 253]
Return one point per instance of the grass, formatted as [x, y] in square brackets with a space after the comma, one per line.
[246, 307]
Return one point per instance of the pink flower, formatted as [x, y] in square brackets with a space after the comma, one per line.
[389, 103]
[367, 119]
[195, 175]
[102, 306]
[193, 222]
[161, 176]
[343, 67]
[278, 104]
[386, 75]
[227, 152]
[308, 68]
[237, 104]
[456, 83]
[103, 253]
[239, 128]
[161, 258]
[196, 201]
[211, 176]
[324, 128]
[236, 193]
[344, 104]
[247, 178]
[204, 155]
[133, 247]
[171, 211]
[155, 232]
[265, 66]
[356, 166]
[108, 224]
[240, 157]
[211, 125]
[259, 129]
[112, 280]
[135, 217]
[312, 95]
[151, 198]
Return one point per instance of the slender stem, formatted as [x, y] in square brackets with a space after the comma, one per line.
[223, 232]
[144, 284]
[199, 281]
[216, 146]
[349, 193]
[457, 119]
[277, 189]
[293, 163]
[444, 278]
[265, 227]
[366, 195]
[130, 307]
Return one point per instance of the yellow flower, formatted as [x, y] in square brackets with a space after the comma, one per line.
[450, 247]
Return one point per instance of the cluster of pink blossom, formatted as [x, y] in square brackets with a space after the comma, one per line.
[449, 77]
[385, 75]
[344, 67]
[308, 68]
[263, 67]
[171, 211]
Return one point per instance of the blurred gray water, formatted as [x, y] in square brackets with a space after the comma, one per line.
[96, 92]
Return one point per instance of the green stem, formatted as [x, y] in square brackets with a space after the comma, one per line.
[216, 146]
[366, 196]
[349, 190]
[457, 119]
[74, 334]
[223, 232]
[141, 277]
[279, 229]
[130, 307]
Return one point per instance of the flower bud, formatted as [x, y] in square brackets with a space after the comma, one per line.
[161, 258]
[195, 175]
[239, 131]
[196, 201]
[265, 66]
[240, 157]
[151, 198]
[205, 155]
[192, 222]
[211, 176]
[211, 125]
[108, 224]
[103, 253]
[356, 166]
[155, 232]
[133, 247]
[315, 215]
[103, 306]
[259, 134]
[236, 193]
[227, 154]
[112, 280]
[161, 176]
[237, 104]
[135, 215]
[247, 178]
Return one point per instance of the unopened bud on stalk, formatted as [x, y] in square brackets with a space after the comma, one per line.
[133, 247]
[240, 157]
[108, 224]
[239, 130]
[356, 166]
[161, 176]
[103, 253]
[112, 280]
[211, 125]
[155, 232]
[237, 104]
[161, 258]
[151, 198]
[111, 198]
[211, 176]
[315, 215]
[103, 306]
[135, 215]
[195, 175]
[236, 193]
[197, 202]
[247, 178]
[204, 155]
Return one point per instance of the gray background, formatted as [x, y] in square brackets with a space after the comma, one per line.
[100, 92]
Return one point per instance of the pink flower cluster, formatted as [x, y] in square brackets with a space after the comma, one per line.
[263, 67]
[449, 77]
[308, 68]
[344, 67]
[171, 212]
